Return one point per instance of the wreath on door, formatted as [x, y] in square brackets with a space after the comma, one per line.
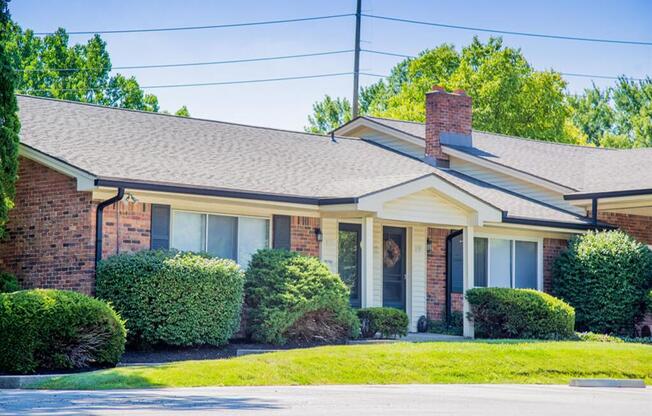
[392, 253]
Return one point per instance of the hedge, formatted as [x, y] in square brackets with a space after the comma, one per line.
[173, 298]
[8, 283]
[519, 313]
[55, 329]
[388, 322]
[606, 276]
[291, 297]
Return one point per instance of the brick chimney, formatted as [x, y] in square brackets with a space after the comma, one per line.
[448, 121]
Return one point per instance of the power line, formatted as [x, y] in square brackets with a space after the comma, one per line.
[507, 32]
[185, 64]
[181, 28]
[206, 84]
[567, 74]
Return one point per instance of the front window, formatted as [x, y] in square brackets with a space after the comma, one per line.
[505, 263]
[229, 237]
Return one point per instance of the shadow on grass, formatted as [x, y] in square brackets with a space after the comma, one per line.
[35, 402]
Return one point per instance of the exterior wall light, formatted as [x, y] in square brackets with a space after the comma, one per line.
[319, 234]
[429, 245]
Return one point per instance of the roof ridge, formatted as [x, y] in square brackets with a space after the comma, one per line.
[530, 139]
[328, 136]
[395, 119]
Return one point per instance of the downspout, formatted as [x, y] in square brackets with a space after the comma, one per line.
[594, 211]
[99, 219]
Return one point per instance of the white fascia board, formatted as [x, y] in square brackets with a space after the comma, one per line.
[85, 180]
[372, 125]
[480, 211]
[507, 171]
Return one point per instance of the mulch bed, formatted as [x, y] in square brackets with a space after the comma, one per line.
[170, 354]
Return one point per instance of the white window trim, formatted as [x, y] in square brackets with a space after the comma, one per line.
[514, 238]
[270, 232]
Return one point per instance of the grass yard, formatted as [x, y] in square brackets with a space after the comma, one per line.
[399, 363]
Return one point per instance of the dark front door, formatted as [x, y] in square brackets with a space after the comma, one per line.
[394, 267]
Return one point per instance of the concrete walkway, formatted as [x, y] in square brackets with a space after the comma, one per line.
[458, 400]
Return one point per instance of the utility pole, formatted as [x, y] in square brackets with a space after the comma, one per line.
[356, 59]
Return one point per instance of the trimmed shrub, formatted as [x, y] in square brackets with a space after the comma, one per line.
[8, 283]
[593, 337]
[173, 298]
[606, 277]
[519, 313]
[291, 297]
[454, 327]
[56, 329]
[389, 322]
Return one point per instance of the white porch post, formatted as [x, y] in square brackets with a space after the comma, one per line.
[468, 240]
[367, 262]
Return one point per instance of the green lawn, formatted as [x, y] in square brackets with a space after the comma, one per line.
[399, 363]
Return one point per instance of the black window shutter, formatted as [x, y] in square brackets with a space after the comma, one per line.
[281, 232]
[160, 227]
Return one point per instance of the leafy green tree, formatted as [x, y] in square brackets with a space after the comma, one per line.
[618, 116]
[9, 123]
[509, 97]
[50, 67]
[183, 112]
[329, 114]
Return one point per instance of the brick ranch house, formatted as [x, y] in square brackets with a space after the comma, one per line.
[409, 214]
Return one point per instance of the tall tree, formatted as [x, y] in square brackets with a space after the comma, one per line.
[50, 66]
[9, 123]
[509, 97]
[618, 116]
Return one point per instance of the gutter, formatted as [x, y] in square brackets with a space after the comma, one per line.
[608, 194]
[594, 224]
[99, 222]
[226, 193]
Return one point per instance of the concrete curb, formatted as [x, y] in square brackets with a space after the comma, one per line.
[21, 382]
[606, 382]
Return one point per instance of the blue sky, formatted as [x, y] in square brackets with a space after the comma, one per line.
[287, 104]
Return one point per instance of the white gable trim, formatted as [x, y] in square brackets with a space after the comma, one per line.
[85, 180]
[507, 170]
[479, 211]
[373, 125]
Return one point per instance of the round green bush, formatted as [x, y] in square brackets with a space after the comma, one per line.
[389, 322]
[56, 329]
[290, 297]
[519, 313]
[173, 298]
[8, 283]
[606, 276]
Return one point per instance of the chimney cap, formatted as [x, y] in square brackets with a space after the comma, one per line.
[459, 92]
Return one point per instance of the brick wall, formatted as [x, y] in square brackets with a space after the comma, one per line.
[445, 113]
[552, 247]
[302, 235]
[436, 277]
[50, 234]
[126, 229]
[638, 226]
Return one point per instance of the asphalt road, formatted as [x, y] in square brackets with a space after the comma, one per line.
[458, 400]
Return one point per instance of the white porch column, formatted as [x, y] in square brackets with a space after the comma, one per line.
[468, 239]
[367, 279]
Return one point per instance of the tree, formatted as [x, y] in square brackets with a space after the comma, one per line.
[51, 67]
[509, 97]
[183, 112]
[9, 123]
[329, 114]
[618, 116]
